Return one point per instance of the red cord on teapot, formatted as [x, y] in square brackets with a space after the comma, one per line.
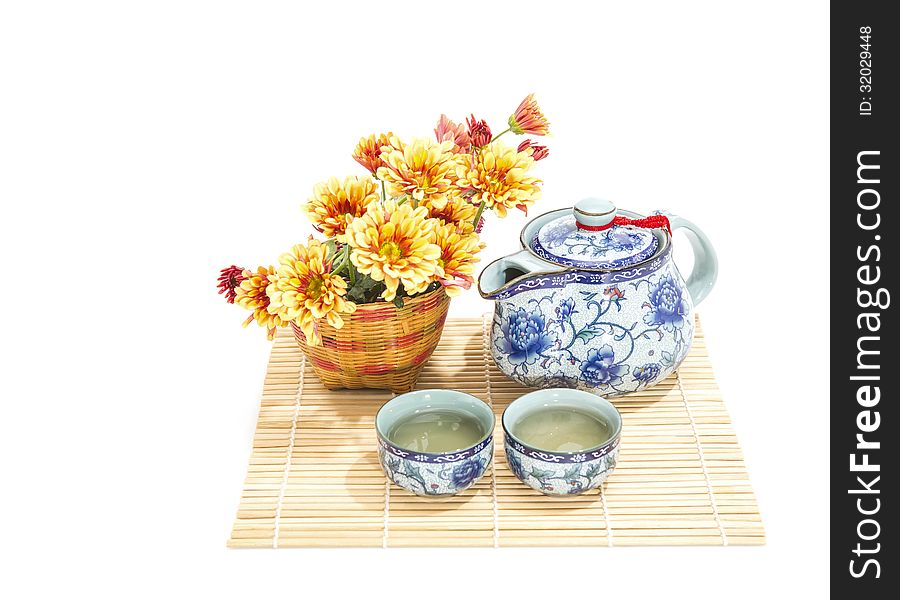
[651, 222]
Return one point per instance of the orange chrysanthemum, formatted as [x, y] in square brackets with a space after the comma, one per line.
[457, 261]
[251, 294]
[453, 209]
[528, 118]
[334, 203]
[394, 244]
[422, 168]
[448, 131]
[306, 290]
[497, 177]
[368, 151]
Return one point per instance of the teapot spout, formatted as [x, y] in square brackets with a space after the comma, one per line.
[510, 270]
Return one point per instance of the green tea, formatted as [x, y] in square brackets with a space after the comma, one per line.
[437, 431]
[562, 430]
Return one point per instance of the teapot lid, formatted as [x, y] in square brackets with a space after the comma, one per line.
[591, 237]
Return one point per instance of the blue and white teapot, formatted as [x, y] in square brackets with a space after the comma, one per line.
[594, 301]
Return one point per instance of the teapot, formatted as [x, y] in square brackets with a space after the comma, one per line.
[594, 300]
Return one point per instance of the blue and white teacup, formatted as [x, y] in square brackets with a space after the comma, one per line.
[434, 474]
[561, 473]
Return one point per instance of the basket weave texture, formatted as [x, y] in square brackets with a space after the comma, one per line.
[380, 346]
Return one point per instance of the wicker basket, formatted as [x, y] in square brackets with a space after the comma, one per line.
[380, 346]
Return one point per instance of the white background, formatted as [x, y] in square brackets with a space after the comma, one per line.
[145, 145]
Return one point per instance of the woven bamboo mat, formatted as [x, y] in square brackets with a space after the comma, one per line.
[314, 477]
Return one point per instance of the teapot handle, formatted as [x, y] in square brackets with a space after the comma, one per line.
[706, 266]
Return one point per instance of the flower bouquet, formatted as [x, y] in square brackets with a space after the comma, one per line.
[367, 304]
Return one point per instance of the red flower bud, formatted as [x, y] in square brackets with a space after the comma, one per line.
[537, 152]
[230, 278]
[479, 132]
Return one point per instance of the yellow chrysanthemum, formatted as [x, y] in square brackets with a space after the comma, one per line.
[457, 262]
[368, 150]
[251, 294]
[334, 203]
[395, 244]
[306, 290]
[452, 209]
[497, 176]
[422, 168]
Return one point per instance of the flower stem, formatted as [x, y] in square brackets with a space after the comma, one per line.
[345, 260]
[499, 134]
[478, 214]
[383, 192]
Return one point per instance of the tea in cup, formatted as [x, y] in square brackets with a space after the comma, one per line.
[435, 442]
[561, 441]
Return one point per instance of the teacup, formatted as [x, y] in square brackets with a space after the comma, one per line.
[434, 473]
[558, 473]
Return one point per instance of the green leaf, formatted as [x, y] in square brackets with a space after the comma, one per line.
[392, 463]
[572, 472]
[365, 290]
[593, 469]
[398, 301]
[540, 474]
[667, 359]
[412, 471]
[586, 335]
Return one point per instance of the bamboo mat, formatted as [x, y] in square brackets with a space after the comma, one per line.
[314, 478]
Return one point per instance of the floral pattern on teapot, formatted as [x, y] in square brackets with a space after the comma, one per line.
[612, 339]
[561, 242]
